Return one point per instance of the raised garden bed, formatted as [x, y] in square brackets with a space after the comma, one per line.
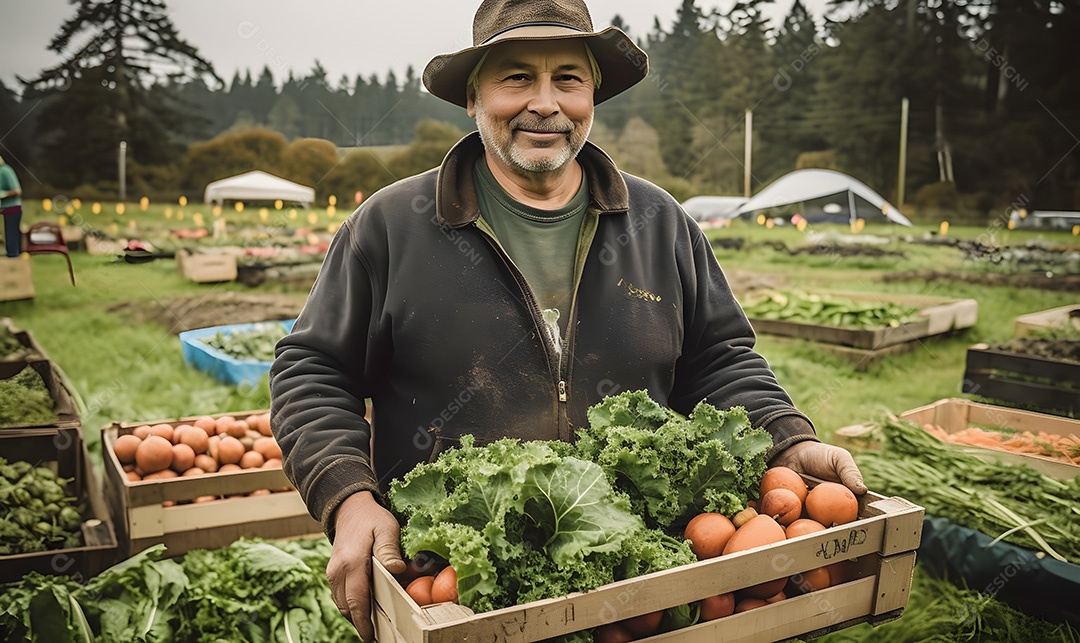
[1046, 378]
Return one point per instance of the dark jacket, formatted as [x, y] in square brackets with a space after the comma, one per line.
[418, 309]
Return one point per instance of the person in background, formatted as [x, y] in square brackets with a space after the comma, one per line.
[11, 206]
[506, 292]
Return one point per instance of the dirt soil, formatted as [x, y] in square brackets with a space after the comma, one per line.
[179, 314]
[1067, 283]
[1061, 349]
[743, 281]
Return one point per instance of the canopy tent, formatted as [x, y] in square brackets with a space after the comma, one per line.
[258, 186]
[711, 208]
[837, 189]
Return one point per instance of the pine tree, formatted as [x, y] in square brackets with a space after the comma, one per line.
[118, 56]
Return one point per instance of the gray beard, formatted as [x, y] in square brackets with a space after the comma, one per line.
[513, 156]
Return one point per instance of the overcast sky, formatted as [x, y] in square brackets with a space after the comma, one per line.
[346, 36]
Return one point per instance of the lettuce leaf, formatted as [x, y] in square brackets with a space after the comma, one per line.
[672, 467]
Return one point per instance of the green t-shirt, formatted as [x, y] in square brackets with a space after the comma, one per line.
[8, 181]
[541, 243]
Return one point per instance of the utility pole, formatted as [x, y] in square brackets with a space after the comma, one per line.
[122, 160]
[903, 153]
[747, 153]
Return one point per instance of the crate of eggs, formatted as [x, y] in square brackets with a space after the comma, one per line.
[199, 482]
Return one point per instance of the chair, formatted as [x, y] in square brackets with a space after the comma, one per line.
[44, 236]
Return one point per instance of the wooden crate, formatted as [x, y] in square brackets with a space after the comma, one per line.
[956, 414]
[142, 520]
[939, 315]
[97, 246]
[883, 541]
[99, 548]
[16, 278]
[1048, 384]
[203, 267]
[67, 415]
[1062, 317]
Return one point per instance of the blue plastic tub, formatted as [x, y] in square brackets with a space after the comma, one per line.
[222, 367]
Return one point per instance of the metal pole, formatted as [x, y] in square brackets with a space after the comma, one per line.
[747, 153]
[123, 171]
[903, 153]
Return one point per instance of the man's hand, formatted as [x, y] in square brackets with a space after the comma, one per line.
[822, 461]
[362, 527]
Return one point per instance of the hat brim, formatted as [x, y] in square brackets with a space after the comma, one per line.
[622, 63]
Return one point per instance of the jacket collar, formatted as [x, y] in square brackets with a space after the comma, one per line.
[457, 205]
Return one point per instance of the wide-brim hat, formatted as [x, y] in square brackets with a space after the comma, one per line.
[622, 63]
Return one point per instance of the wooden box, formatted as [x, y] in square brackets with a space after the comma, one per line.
[1052, 385]
[957, 414]
[883, 541]
[1063, 317]
[142, 520]
[939, 315]
[97, 246]
[98, 550]
[16, 279]
[206, 267]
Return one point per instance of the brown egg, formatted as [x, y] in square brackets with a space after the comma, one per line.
[206, 463]
[230, 450]
[183, 458]
[164, 430]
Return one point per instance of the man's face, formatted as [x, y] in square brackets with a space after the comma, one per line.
[534, 107]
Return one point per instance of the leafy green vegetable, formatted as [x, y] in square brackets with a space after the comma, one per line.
[25, 399]
[10, 346]
[256, 345]
[520, 522]
[36, 513]
[253, 590]
[671, 466]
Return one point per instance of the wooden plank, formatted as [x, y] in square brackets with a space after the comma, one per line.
[821, 610]
[553, 617]
[16, 278]
[903, 524]
[399, 607]
[894, 582]
[982, 358]
[1042, 396]
[385, 632]
[156, 520]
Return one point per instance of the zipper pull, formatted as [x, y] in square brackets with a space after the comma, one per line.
[562, 390]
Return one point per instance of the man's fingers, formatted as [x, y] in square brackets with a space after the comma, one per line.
[358, 602]
[850, 474]
[388, 551]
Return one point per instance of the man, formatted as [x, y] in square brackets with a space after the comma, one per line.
[506, 292]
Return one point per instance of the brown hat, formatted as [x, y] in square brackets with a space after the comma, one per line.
[622, 63]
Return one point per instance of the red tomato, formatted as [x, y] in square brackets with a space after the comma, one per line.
[718, 606]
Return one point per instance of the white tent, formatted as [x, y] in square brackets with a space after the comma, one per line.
[801, 186]
[709, 208]
[258, 186]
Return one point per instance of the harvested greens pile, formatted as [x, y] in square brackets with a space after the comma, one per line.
[255, 345]
[252, 591]
[1011, 502]
[828, 310]
[25, 399]
[522, 521]
[36, 512]
[938, 610]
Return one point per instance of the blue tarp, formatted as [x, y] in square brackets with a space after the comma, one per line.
[222, 367]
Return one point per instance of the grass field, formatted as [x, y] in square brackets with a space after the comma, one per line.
[129, 370]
